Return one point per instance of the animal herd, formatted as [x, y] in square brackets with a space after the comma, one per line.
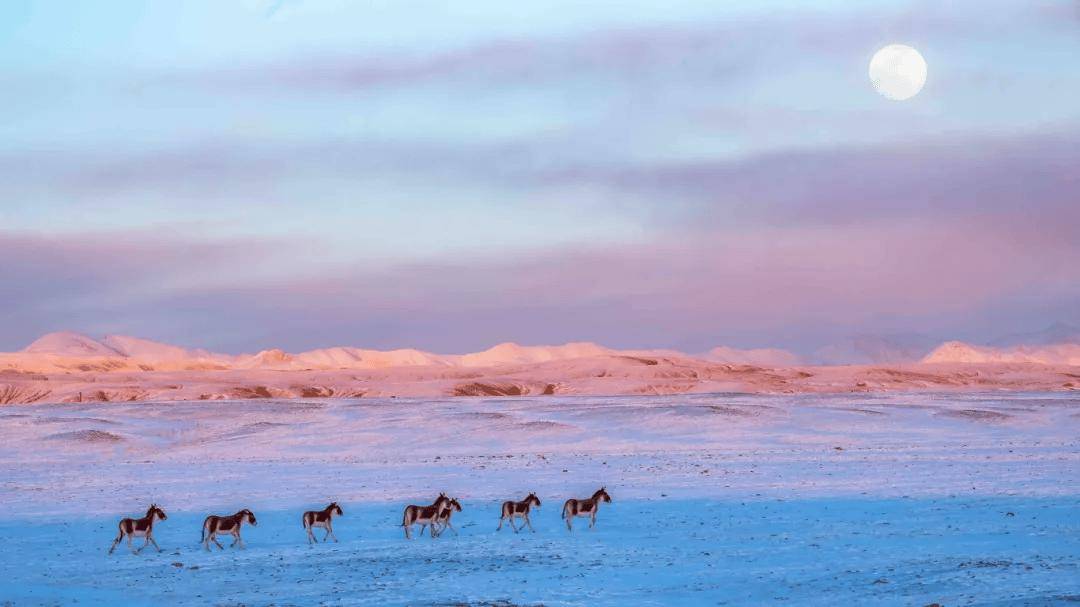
[436, 518]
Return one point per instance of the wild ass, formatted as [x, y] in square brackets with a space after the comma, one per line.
[140, 527]
[587, 507]
[424, 515]
[214, 525]
[512, 509]
[321, 518]
[443, 522]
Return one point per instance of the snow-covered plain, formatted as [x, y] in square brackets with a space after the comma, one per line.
[884, 499]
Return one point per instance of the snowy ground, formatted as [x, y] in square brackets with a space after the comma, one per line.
[718, 499]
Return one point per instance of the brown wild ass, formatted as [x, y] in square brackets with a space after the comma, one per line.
[587, 507]
[140, 527]
[443, 522]
[214, 525]
[424, 515]
[321, 518]
[512, 509]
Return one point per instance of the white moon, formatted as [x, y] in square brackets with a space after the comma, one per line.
[898, 72]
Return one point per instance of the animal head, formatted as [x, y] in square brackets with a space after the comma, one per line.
[154, 511]
[335, 509]
[602, 494]
[248, 515]
[533, 499]
[454, 504]
[442, 499]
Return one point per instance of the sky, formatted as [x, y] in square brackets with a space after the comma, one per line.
[447, 176]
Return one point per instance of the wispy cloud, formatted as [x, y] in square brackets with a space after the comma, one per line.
[88, 279]
[745, 44]
[941, 177]
[791, 285]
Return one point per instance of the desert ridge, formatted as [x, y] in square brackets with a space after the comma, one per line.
[70, 367]
[73, 351]
[960, 352]
[68, 351]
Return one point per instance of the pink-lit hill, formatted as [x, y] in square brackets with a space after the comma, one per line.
[65, 367]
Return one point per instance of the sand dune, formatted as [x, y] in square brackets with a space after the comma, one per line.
[358, 358]
[66, 343]
[153, 351]
[67, 351]
[960, 352]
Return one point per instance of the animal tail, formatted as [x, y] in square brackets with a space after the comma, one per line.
[203, 538]
[564, 507]
[405, 518]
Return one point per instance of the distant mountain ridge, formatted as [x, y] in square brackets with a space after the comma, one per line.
[1057, 333]
[1058, 344]
[869, 349]
[66, 349]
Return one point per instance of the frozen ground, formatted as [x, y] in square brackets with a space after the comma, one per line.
[719, 499]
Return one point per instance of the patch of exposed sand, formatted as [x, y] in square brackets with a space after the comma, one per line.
[87, 436]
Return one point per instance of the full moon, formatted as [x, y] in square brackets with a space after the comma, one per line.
[898, 72]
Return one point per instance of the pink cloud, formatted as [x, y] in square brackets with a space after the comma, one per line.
[959, 237]
[769, 282]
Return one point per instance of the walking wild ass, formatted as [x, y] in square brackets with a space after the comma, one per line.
[424, 515]
[443, 522]
[583, 508]
[512, 509]
[214, 525]
[321, 518]
[140, 527]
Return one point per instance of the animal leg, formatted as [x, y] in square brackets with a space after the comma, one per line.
[310, 536]
[330, 532]
[214, 537]
[569, 527]
[131, 546]
[451, 527]
[407, 536]
[529, 523]
[115, 542]
[592, 520]
[150, 539]
[327, 534]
